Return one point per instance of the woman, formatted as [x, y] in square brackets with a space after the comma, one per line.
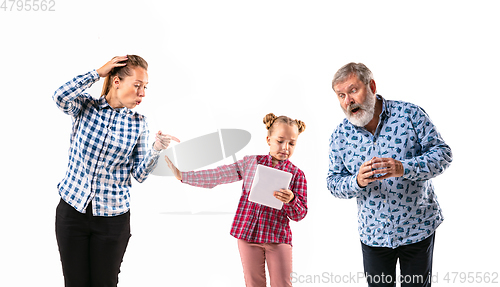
[263, 232]
[108, 145]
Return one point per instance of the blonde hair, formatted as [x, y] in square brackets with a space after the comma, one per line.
[122, 72]
[270, 119]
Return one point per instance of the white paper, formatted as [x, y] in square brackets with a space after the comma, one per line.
[266, 181]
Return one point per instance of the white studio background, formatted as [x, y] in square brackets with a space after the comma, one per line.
[225, 64]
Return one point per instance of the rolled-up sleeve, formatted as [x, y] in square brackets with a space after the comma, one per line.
[434, 156]
[144, 155]
[340, 182]
[67, 96]
[212, 177]
[296, 210]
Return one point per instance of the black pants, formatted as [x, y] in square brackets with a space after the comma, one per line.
[91, 247]
[415, 261]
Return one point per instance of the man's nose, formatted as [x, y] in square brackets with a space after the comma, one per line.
[348, 100]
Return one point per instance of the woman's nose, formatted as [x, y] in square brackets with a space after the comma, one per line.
[142, 92]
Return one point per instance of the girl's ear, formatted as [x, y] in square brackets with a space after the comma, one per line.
[268, 140]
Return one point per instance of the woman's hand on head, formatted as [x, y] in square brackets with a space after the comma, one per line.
[115, 62]
[284, 195]
[174, 169]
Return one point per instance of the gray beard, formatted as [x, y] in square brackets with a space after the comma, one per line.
[365, 113]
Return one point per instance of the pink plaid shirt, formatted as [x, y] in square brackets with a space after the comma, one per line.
[254, 222]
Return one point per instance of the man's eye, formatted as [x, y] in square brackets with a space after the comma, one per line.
[354, 90]
[341, 96]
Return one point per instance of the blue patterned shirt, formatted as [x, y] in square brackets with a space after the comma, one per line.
[107, 146]
[399, 210]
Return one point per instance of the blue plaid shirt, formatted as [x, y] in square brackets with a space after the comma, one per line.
[394, 211]
[107, 146]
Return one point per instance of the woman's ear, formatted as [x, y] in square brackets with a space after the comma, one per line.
[116, 82]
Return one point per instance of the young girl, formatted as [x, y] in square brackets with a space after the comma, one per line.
[108, 145]
[263, 232]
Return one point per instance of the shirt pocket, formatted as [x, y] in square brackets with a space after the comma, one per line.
[122, 144]
[355, 156]
[399, 147]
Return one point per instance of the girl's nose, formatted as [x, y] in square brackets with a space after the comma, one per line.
[287, 145]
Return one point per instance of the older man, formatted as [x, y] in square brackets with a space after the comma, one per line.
[385, 154]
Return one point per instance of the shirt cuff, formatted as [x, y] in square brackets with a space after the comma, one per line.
[291, 205]
[95, 75]
[354, 183]
[409, 170]
[292, 202]
[154, 152]
[185, 176]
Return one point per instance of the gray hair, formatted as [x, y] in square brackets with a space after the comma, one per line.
[359, 69]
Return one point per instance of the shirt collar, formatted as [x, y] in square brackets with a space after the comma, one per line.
[385, 105]
[102, 103]
[269, 161]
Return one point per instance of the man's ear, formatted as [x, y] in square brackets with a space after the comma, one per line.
[373, 86]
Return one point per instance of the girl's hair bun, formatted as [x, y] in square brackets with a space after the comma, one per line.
[269, 120]
[301, 125]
